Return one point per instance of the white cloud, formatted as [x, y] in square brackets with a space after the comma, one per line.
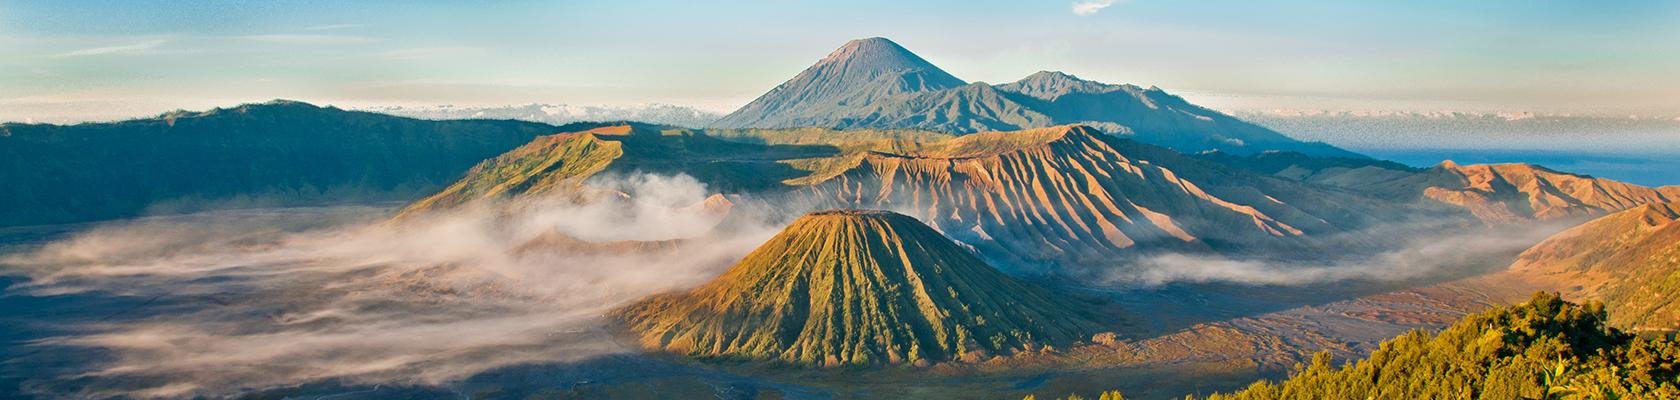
[428, 52]
[1089, 7]
[332, 27]
[127, 48]
[308, 39]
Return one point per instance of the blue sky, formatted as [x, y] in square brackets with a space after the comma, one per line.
[76, 60]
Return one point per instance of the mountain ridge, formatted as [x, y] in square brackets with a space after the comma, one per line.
[1037, 197]
[276, 153]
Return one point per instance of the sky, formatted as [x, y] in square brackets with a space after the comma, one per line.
[63, 61]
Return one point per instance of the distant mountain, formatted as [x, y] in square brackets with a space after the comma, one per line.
[1492, 192]
[1039, 197]
[1476, 130]
[558, 114]
[875, 83]
[850, 287]
[1630, 260]
[276, 153]
[859, 73]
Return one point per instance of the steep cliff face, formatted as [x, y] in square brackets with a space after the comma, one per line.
[846, 287]
[1630, 260]
[1063, 193]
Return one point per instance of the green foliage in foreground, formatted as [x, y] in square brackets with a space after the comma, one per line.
[1544, 349]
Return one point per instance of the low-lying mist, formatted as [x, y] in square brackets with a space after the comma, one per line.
[1419, 252]
[262, 299]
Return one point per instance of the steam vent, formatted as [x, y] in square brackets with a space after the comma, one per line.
[850, 287]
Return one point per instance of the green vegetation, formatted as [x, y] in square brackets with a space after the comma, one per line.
[1543, 349]
[1108, 395]
[276, 153]
[857, 288]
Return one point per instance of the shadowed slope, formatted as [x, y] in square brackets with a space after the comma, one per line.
[1629, 260]
[269, 154]
[858, 287]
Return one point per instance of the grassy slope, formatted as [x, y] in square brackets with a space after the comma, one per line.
[858, 287]
[1629, 260]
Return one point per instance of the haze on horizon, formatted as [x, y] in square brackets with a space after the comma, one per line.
[102, 60]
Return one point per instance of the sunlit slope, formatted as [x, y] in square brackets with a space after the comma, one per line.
[1512, 191]
[1629, 260]
[858, 287]
[1497, 193]
[1072, 193]
[558, 165]
[1059, 194]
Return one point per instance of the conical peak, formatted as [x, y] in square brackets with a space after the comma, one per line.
[875, 47]
[860, 72]
[876, 56]
[849, 286]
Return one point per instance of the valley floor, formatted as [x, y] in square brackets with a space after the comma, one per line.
[1184, 339]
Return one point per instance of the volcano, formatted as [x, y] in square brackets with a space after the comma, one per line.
[875, 83]
[861, 72]
[855, 287]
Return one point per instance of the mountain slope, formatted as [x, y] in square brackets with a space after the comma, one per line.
[1521, 191]
[894, 89]
[860, 72]
[280, 152]
[1497, 193]
[849, 287]
[1630, 260]
[1038, 197]
[1151, 116]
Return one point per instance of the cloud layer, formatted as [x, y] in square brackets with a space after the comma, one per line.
[271, 299]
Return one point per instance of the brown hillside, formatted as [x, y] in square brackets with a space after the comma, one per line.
[1629, 260]
[1050, 195]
